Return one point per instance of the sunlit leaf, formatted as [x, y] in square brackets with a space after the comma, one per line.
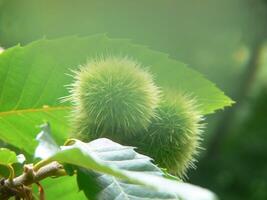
[33, 78]
[117, 171]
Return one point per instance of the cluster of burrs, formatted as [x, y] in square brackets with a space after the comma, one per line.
[117, 98]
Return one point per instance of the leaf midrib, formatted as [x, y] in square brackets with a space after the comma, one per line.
[32, 110]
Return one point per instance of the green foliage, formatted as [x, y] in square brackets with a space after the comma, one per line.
[63, 188]
[143, 179]
[209, 41]
[33, 79]
[112, 97]
[172, 138]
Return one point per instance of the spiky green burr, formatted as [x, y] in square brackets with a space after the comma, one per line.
[173, 137]
[113, 97]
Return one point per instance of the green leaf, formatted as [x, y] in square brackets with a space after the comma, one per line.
[10, 162]
[113, 163]
[33, 78]
[64, 188]
[7, 157]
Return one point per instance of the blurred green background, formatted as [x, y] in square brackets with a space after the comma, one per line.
[223, 39]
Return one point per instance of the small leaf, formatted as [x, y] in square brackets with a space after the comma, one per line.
[7, 157]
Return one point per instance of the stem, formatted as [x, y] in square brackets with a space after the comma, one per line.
[41, 191]
[9, 188]
[70, 142]
[11, 172]
[40, 164]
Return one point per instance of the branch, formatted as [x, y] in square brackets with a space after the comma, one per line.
[9, 188]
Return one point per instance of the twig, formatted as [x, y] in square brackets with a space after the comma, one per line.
[9, 188]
